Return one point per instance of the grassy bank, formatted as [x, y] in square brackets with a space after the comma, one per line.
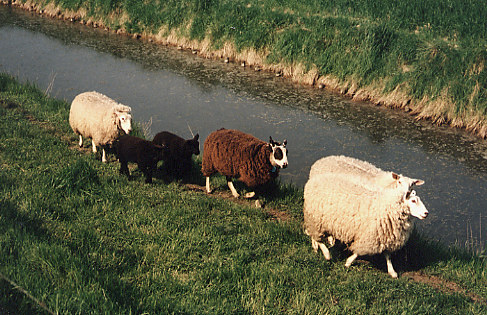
[76, 237]
[427, 57]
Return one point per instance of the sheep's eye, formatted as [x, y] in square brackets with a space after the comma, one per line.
[413, 201]
[122, 118]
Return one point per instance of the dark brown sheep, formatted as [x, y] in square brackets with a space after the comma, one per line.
[140, 151]
[235, 154]
[178, 160]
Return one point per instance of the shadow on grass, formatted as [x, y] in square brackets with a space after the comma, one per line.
[193, 176]
[13, 302]
[417, 254]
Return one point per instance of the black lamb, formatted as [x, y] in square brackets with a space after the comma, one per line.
[145, 153]
[178, 160]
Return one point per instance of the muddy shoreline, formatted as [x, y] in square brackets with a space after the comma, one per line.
[438, 112]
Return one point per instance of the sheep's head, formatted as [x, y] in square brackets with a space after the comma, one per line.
[405, 182]
[192, 146]
[279, 153]
[415, 205]
[124, 121]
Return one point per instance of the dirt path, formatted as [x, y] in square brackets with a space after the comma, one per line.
[442, 285]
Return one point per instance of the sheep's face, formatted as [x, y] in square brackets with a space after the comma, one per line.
[279, 154]
[192, 146]
[415, 205]
[125, 122]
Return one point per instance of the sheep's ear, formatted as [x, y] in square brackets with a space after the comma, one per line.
[395, 176]
[284, 142]
[417, 182]
[196, 137]
[271, 141]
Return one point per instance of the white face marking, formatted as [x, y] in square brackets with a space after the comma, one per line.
[279, 155]
[415, 205]
[125, 122]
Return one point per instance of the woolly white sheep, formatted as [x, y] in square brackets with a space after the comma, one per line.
[369, 221]
[96, 116]
[363, 172]
[235, 154]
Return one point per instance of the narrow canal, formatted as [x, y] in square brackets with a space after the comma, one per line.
[174, 89]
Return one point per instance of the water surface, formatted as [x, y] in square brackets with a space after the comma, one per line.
[174, 89]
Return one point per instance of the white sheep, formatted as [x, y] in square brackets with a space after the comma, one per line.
[368, 221]
[363, 172]
[100, 118]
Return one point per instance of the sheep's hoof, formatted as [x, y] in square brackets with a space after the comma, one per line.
[250, 195]
[393, 274]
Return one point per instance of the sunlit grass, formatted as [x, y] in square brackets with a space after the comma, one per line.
[80, 238]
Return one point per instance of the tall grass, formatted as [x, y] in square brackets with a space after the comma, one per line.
[434, 51]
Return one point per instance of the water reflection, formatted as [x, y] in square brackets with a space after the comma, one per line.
[175, 89]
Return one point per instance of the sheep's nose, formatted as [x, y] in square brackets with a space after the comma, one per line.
[284, 165]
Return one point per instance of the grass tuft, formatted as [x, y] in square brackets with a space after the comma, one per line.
[76, 178]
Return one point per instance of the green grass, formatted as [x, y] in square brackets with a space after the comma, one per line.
[433, 51]
[79, 237]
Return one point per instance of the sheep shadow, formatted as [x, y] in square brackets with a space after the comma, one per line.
[417, 254]
[193, 176]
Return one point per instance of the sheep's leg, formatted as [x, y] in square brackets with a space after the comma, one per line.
[323, 248]
[148, 175]
[149, 170]
[390, 269]
[350, 260]
[234, 191]
[93, 146]
[124, 168]
[80, 141]
[103, 155]
[208, 189]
